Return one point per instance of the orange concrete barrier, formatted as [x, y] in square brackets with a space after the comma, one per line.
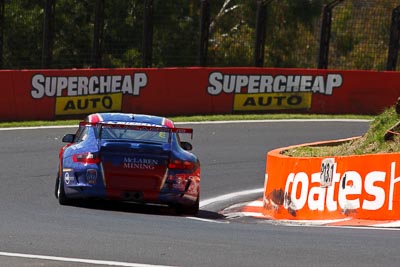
[364, 187]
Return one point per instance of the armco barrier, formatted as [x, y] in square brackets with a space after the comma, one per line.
[362, 187]
[57, 94]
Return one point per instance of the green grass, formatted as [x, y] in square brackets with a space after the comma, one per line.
[199, 118]
[371, 142]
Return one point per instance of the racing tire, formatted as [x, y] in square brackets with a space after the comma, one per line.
[60, 193]
[56, 187]
[188, 210]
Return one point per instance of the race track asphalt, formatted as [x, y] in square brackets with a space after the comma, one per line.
[233, 159]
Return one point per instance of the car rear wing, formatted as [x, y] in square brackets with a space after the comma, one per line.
[137, 127]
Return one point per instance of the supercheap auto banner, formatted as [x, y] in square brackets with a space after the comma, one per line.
[53, 94]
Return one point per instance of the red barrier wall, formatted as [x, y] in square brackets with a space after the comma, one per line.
[53, 94]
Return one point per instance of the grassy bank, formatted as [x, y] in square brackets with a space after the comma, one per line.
[370, 143]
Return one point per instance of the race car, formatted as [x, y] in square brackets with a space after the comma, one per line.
[129, 157]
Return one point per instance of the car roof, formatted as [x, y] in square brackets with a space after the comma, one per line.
[129, 118]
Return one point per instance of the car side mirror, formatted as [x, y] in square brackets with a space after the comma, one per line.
[68, 138]
[186, 146]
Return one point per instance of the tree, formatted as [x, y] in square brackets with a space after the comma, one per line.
[23, 34]
[123, 32]
[176, 32]
[292, 36]
[232, 33]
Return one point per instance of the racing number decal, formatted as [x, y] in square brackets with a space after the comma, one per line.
[327, 168]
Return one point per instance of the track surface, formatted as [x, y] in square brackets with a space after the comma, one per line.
[233, 159]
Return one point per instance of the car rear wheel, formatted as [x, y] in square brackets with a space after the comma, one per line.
[56, 187]
[60, 193]
[188, 210]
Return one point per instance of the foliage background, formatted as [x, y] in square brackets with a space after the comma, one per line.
[360, 33]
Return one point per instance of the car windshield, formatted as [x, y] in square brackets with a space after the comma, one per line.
[137, 134]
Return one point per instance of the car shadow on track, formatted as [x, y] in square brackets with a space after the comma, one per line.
[140, 208]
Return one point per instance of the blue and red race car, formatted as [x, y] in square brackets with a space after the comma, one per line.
[129, 157]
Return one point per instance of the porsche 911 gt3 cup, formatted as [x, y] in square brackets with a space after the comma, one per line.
[129, 157]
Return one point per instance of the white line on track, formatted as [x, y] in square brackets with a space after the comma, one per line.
[230, 196]
[206, 220]
[76, 260]
[39, 127]
[276, 120]
[363, 228]
[199, 122]
[221, 199]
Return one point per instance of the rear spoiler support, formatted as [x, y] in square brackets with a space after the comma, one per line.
[137, 127]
